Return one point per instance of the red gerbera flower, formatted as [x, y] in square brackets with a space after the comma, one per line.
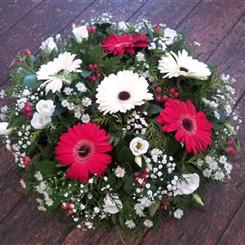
[192, 127]
[83, 147]
[140, 41]
[125, 43]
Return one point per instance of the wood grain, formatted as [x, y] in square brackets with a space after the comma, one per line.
[12, 12]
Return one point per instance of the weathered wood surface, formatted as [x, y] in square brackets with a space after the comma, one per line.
[217, 25]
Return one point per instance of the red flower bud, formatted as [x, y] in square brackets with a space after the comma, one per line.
[27, 52]
[19, 60]
[176, 94]
[231, 150]
[27, 161]
[91, 67]
[164, 98]
[230, 142]
[171, 90]
[158, 90]
[158, 98]
[91, 29]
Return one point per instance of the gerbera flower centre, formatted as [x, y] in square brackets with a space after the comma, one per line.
[183, 69]
[124, 95]
[84, 150]
[188, 124]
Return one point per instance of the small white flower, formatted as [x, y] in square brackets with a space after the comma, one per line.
[122, 26]
[120, 172]
[178, 213]
[68, 90]
[138, 146]
[112, 204]
[86, 102]
[140, 56]
[81, 87]
[139, 210]
[80, 33]
[39, 121]
[188, 185]
[49, 45]
[4, 128]
[85, 118]
[148, 223]
[38, 176]
[45, 107]
[130, 224]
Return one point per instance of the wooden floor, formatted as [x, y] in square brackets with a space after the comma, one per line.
[219, 25]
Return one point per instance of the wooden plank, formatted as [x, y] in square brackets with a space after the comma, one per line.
[14, 12]
[27, 225]
[170, 12]
[46, 20]
[232, 52]
[235, 233]
[210, 22]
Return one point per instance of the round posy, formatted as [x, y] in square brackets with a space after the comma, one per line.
[119, 124]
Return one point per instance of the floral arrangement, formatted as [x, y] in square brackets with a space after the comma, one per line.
[119, 124]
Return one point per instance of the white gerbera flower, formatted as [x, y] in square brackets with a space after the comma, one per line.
[122, 92]
[173, 65]
[54, 71]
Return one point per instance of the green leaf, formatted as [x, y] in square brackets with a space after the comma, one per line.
[154, 109]
[46, 167]
[86, 73]
[154, 207]
[125, 155]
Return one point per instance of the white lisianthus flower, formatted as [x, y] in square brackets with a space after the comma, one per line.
[122, 92]
[4, 128]
[80, 32]
[49, 45]
[178, 213]
[138, 146]
[112, 204]
[39, 121]
[54, 72]
[45, 107]
[173, 65]
[169, 35]
[188, 184]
